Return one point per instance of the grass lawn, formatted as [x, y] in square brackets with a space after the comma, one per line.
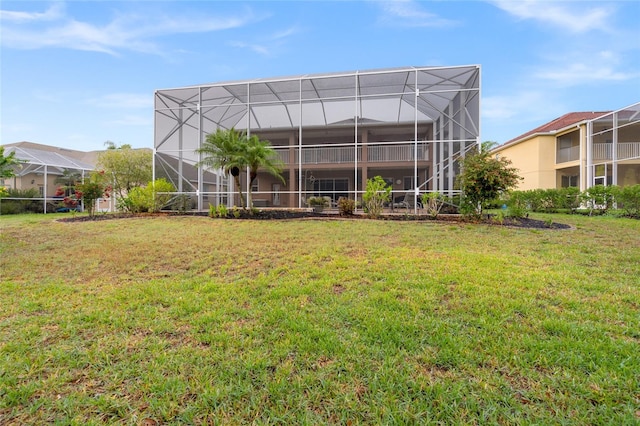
[190, 320]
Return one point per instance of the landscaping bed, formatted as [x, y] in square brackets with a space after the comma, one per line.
[276, 214]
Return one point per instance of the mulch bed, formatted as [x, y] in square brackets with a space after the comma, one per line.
[303, 214]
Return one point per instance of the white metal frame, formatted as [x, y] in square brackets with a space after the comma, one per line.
[448, 98]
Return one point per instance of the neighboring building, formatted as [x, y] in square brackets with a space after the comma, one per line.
[579, 149]
[43, 166]
[332, 132]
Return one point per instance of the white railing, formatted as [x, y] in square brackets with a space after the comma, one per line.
[625, 150]
[388, 153]
[568, 154]
[283, 154]
[329, 155]
[346, 154]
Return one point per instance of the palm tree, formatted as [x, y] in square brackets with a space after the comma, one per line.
[260, 155]
[225, 149]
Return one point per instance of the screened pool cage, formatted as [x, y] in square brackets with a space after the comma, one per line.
[332, 132]
[43, 171]
[613, 148]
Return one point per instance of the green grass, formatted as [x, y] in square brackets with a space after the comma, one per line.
[189, 320]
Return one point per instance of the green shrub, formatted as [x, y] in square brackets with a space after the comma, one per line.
[433, 203]
[518, 204]
[375, 196]
[346, 206]
[318, 202]
[500, 217]
[236, 212]
[21, 206]
[571, 198]
[150, 198]
[628, 199]
[599, 198]
[138, 200]
[220, 211]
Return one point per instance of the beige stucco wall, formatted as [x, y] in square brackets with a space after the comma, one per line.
[535, 160]
[32, 180]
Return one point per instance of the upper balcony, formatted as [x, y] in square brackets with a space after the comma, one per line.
[387, 153]
[565, 155]
[625, 151]
[601, 152]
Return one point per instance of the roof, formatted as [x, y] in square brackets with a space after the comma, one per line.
[395, 95]
[555, 125]
[37, 157]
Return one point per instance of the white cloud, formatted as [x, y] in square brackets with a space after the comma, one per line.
[409, 13]
[56, 11]
[124, 32]
[271, 42]
[257, 48]
[530, 104]
[574, 70]
[577, 74]
[578, 17]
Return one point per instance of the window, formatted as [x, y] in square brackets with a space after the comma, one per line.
[565, 142]
[569, 181]
[255, 186]
[334, 188]
[409, 182]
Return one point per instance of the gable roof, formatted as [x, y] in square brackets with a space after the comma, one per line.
[555, 125]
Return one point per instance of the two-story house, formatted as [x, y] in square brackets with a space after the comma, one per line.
[579, 149]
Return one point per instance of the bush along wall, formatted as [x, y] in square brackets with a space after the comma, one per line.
[598, 199]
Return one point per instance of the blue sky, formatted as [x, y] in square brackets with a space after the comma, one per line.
[78, 73]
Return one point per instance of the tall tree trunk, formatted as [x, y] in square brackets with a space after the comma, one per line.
[252, 177]
[242, 201]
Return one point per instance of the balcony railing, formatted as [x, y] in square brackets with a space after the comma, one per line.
[342, 154]
[389, 153]
[329, 155]
[568, 154]
[625, 150]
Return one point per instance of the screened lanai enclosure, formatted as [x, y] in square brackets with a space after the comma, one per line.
[43, 171]
[332, 132]
[613, 148]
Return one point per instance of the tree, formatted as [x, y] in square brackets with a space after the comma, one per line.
[127, 168]
[92, 189]
[223, 150]
[8, 164]
[260, 155]
[233, 151]
[488, 145]
[482, 178]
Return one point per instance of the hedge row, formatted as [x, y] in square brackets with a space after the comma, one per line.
[597, 199]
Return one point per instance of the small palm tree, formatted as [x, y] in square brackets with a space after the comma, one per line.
[225, 149]
[260, 155]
